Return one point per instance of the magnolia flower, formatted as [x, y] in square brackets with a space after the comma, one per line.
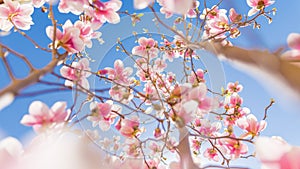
[234, 87]
[77, 73]
[251, 125]
[212, 13]
[12, 13]
[102, 114]
[119, 74]
[258, 5]
[129, 127]
[147, 48]
[211, 154]
[234, 16]
[69, 39]
[235, 148]
[107, 11]
[41, 116]
[86, 33]
[184, 112]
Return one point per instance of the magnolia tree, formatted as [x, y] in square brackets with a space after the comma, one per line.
[153, 101]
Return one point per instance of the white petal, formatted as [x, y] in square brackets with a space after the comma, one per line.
[6, 100]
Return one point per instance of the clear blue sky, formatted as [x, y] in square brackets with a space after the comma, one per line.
[283, 120]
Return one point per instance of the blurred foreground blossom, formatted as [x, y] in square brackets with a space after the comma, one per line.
[293, 41]
[275, 153]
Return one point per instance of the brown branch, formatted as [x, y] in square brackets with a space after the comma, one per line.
[267, 108]
[19, 56]
[16, 86]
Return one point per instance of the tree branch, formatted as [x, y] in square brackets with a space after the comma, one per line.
[16, 86]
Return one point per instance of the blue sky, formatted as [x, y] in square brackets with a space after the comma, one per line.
[283, 118]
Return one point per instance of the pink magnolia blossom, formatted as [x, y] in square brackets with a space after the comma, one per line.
[77, 73]
[119, 74]
[293, 42]
[132, 148]
[234, 16]
[234, 87]
[150, 93]
[12, 13]
[86, 33]
[159, 65]
[74, 6]
[41, 116]
[197, 77]
[192, 12]
[235, 114]
[107, 11]
[102, 114]
[129, 127]
[212, 13]
[218, 25]
[196, 144]
[275, 153]
[69, 39]
[211, 154]
[121, 94]
[258, 5]
[184, 112]
[147, 48]
[208, 128]
[235, 148]
[251, 125]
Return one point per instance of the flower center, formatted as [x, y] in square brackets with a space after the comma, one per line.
[260, 5]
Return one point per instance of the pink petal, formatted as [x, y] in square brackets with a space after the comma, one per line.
[291, 160]
[143, 41]
[252, 11]
[66, 72]
[251, 3]
[4, 12]
[12, 5]
[85, 83]
[38, 108]
[104, 109]
[112, 17]
[49, 32]
[59, 110]
[26, 9]
[141, 4]
[29, 120]
[113, 4]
